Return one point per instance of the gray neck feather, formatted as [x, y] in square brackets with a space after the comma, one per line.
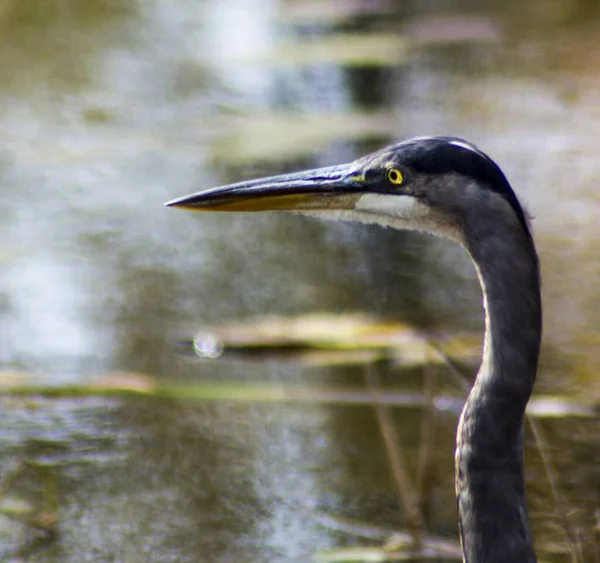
[489, 457]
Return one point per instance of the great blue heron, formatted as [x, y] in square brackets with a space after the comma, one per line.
[447, 187]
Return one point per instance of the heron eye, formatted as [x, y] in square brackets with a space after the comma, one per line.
[394, 176]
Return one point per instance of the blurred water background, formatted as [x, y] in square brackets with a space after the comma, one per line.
[109, 108]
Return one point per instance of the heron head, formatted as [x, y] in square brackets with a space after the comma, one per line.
[431, 184]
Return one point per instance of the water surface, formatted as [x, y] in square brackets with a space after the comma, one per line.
[108, 109]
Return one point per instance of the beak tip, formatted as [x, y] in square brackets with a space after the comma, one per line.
[175, 202]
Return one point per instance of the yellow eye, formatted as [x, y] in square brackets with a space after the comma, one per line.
[394, 176]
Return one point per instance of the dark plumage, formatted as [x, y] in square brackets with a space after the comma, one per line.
[453, 155]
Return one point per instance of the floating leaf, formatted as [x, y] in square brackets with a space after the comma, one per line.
[261, 392]
[342, 49]
[275, 137]
[328, 12]
[323, 339]
[438, 30]
[125, 381]
[14, 378]
[15, 507]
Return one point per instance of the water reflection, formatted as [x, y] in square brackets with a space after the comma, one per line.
[110, 109]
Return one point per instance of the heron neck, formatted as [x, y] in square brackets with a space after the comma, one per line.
[489, 457]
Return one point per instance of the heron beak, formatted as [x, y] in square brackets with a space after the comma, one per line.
[334, 187]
